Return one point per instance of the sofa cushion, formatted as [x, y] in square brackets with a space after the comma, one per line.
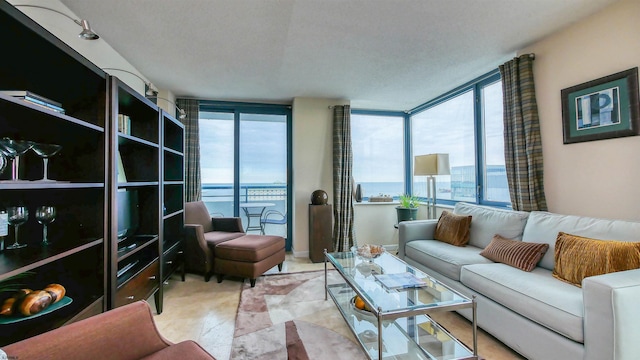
[578, 257]
[488, 221]
[214, 238]
[536, 295]
[519, 254]
[543, 227]
[444, 258]
[453, 229]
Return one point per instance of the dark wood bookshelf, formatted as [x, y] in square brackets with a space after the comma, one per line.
[83, 254]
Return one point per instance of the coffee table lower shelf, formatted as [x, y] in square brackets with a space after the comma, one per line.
[414, 337]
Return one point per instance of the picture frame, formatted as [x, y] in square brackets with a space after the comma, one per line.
[605, 108]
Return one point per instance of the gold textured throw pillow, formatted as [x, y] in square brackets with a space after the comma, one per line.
[522, 255]
[578, 257]
[453, 229]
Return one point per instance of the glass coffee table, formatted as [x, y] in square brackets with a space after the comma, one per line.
[397, 299]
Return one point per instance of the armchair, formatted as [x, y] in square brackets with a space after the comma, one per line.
[202, 234]
[124, 333]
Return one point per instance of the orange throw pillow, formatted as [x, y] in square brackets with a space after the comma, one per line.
[519, 254]
[578, 257]
[453, 229]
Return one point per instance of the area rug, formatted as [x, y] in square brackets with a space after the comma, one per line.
[285, 316]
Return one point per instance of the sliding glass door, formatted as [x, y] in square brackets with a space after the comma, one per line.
[244, 154]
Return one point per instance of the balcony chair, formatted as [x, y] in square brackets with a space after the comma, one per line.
[272, 217]
[202, 233]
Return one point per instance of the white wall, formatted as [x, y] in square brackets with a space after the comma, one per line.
[312, 162]
[596, 178]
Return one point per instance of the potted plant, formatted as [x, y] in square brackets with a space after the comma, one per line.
[408, 208]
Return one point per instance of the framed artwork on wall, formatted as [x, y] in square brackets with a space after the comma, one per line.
[600, 109]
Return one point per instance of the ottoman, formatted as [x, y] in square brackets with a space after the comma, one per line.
[248, 256]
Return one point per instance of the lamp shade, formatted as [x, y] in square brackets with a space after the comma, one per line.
[432, 164]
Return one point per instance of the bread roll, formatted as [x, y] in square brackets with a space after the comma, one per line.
[10, 305]
[34, 302]
[7, 307]
[56, 291]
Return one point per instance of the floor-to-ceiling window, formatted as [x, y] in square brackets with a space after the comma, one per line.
[245, 162]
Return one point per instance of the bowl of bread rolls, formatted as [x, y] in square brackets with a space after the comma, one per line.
[27, 303]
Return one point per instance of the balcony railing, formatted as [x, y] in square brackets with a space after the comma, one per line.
[219, 200]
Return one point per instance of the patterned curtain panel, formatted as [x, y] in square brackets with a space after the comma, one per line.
[522, 140]
[193, 187]
[343, 235]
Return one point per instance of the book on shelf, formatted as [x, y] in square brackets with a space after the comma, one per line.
[35, 99]
[28, 94]
[121, 176]
[403, 280]
[124, 124]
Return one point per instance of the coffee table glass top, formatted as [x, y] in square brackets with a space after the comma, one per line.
[368, 275]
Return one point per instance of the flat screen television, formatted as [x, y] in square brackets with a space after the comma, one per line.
[128, 213]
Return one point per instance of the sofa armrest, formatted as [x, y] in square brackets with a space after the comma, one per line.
[414, 230]
[124, 333]
[612, 315]
[231, 224]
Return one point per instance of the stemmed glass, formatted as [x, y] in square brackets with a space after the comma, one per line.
[18, 215]
[12, 149]
[45, 216]
[45, 151]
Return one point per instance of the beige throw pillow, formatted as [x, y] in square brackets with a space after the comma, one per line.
[522, 255]
[453, 229]
[578, 257]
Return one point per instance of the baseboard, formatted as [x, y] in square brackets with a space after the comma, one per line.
[301, 254]
[392, 248]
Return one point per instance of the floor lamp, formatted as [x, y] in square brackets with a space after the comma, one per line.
[430, 166]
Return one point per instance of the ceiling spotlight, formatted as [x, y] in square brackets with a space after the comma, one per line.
[183, 114]
[87, 33]
[149, 88]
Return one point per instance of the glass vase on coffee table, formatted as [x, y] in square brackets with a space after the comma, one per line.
[12, 149]
[17, 215]
[45, 151]
[45, 216]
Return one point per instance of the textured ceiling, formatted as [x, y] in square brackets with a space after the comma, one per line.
[378, 54]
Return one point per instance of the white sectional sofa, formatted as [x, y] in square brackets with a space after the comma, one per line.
[534, 313]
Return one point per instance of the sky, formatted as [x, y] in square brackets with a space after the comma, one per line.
[263, 148]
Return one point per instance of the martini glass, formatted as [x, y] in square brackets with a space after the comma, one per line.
[45, 216]
[12, 149]
[45, 151]
[18, 215]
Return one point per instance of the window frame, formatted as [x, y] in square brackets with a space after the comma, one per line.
[406, 141]
[476, 85]
[236, 108]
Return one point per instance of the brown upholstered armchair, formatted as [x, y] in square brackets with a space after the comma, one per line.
[202, 233]
[124, 333]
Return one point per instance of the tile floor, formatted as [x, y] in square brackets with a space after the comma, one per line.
[206, 312]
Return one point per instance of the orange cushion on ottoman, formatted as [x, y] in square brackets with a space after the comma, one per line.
[250, 248]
